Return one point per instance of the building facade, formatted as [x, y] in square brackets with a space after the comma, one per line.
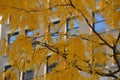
[82, 27]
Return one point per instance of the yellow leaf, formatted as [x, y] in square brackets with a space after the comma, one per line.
[100, 58]
[53, 58]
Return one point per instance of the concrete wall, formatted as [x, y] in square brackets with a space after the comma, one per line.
[4, 31]
[3, 62]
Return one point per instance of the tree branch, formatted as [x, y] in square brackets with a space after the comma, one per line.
[33, 10]
[87, 21]
[100, 21]
[108, 75]
[118, 38]
[115, 57]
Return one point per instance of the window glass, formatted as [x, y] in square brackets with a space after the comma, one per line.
[52, 66]
[54, 34]
[7, 67]
[74, 31]
[28, 75]
[30, 33]
[12, 38]
[100, 25]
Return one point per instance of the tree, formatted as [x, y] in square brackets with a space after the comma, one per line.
[77, 56]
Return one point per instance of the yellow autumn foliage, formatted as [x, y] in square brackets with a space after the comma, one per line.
[100, 58]
[77, 54]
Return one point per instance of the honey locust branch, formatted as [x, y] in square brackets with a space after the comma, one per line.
[56, 50]
[87, 21]
[32, 10]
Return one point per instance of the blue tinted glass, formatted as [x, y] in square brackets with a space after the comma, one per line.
[76, 25]
[100, 26]
[12, 38]
[98, 17]
[76, 28]
[54, 35]
[54, 9]
[30, 33]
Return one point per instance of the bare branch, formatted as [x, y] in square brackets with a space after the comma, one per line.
[100, 21]
[118, 38]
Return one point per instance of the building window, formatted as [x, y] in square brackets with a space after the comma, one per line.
[28, 75]
[7, 67]
[100, 25]
[30, 32]
[53, 33]
[12, 37]
[75, 30]
[49, 67]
